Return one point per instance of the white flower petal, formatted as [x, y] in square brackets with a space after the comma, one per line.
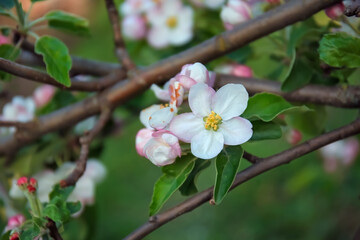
[185, 126]
[158, 37]
[230, 101]
[236, 131]
[161, 94]
[180, 36]
[207, 144]
[200, 97]
[161, 118]
[199, 73]
[146, 113]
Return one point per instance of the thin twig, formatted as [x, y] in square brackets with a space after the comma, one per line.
[120, 48]
[251, 158]
[76, 85]
[85, 142]
[54, 233]
[269, 22]
[256, 169]
[338, 96]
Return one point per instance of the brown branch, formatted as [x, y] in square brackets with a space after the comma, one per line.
[54, 233]
[16, 124]
[269, 22]
[251, 158]
[79, 65]
[42, 77]
[85, 142]
[120, 48]
[337, 96]
[256, 169]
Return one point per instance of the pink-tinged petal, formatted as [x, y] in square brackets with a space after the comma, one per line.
[163, 150]
[212, 78]
[200, 97]
[142, 138]
[207, 144]
[242, 71]
[161, 118]
[176, 92]
[146, 113]
[161, 94]
[351, 150]
[199, 73]
[236, 131]
[230, 101]
[185, 81]
[185, 126]
[134, 27]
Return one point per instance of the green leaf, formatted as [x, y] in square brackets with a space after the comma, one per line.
[227, 165]
[73, 207]
[68, 22]
[340, 50]
[265, 130]
[173, 177]
[299, 76]
[57, 210]
[342, 74]
[9, 52]
[3, 12]
[267, 106]
[6, 236]
[7, 4]
[62, 193]
[30, 233]
[189, 187]
[56, 58]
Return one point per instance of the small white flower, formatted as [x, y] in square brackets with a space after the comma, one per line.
[134, 27]
[235, 12]
[20, 109]
[171, 24]
[214, 119]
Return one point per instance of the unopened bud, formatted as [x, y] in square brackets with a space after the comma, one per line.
[22, 182]
[294, 136]
[14, 236]
[33, 182]
[31, 189]
[335, 11]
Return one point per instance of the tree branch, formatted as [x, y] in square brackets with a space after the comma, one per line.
[54, 233]
[42, 77]
[269, 22]
[256, 169]
[120, 48]
[85, 142]
[337, 96]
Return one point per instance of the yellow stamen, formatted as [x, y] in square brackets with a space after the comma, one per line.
[163, 105]
[171, 22]
[212, 121]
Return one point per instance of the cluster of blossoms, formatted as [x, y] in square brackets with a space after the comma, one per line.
[339, 153]
[163, 23]
[22, 109]
[213, 122]
[84, 190]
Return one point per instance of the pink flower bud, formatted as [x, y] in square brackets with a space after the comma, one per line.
[4, 40]
[335, 11]
[241, 71]
[43, 95]
[134, 27]
[14, 222]
[235, 12]
[14, 236]
[31, 189]
[294, 136]
[192, 74]
[22, 182]
[33, 182]
[142, 138]
[163, 148]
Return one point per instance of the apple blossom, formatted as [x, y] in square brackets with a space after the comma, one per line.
[341, 152]
[163, 148]
[15, 222]
[335, 11]
[43, 95]
[235, 12]
[4, 40]
[294, 136]
[134, 27]
[20, 109]
[141, 139]
[171, 24]
[214, 120]
[131, 7]
[238, 70]
[14, 236]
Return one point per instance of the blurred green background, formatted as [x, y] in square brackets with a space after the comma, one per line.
[295, 201]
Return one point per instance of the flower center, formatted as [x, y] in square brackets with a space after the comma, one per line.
[212, 121]
[164, 106]
[171, 22]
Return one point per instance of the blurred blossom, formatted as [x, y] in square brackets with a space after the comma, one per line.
[235, 12]
[43, 95]
[19, 109]
[212, 4]
[238, 70]
[84, 190]
[171, 24]
[293, 136]
[15, 222]
[335, 11]
[142, 138]
[131, 7]
[162, 149]
[214, 120]
[4, 40]
[342, 152]
[85, 125]
[134, 27]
